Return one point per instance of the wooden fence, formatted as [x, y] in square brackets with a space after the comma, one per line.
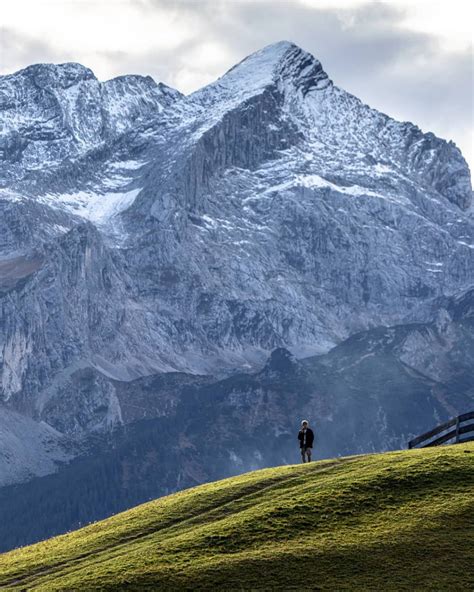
[456, 430]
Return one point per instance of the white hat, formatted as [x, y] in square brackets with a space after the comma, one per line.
[304, 421]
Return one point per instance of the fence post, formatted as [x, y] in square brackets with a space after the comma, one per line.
[457, 430]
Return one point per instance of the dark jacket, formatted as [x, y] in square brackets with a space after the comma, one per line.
[309, 438]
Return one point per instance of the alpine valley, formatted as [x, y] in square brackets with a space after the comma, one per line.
[183, 278]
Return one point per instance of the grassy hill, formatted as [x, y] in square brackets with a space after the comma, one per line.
[395, 521]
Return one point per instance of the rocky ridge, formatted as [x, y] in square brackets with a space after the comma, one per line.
[143, 231]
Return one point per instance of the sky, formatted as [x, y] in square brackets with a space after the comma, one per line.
[412, 59]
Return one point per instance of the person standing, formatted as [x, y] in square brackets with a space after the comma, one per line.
[306, 439]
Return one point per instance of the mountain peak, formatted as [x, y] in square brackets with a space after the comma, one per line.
[57, 75]
[274, 52]
[282, 64]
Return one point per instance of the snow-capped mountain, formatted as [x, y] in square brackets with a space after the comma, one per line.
[144, 231]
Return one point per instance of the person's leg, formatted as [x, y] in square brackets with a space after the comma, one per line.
[308, 453]
[303, 455]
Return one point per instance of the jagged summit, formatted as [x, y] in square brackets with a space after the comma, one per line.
[283, 64]
[67, 74]
[52, 112]
[279, 61]
[57, 75]
[303, 69]
[144, 83]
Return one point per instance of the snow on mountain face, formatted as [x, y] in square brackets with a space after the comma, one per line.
[339, 127]
[128, 98]
[306, 217]
[283, 64]
[49, 113]
[144, 231]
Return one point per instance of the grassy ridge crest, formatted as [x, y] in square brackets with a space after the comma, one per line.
[395, 521]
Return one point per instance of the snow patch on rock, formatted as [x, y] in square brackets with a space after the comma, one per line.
[99, 208]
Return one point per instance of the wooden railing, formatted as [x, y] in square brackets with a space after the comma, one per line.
[462, 431]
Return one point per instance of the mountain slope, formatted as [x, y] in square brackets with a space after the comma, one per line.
[145, 232]
[269, 209]
[30, 449]
[373, 392]
[397, 521]
[54, 112]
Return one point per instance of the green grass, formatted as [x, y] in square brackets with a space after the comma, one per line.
[395, 521]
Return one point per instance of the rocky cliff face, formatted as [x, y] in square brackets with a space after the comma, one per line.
[50, 113]
[372, 392]
[143, 231]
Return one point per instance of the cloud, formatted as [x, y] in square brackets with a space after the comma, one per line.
[369, 49]
[19, 50]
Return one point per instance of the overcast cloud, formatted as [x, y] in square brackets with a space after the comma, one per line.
[412, 60]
